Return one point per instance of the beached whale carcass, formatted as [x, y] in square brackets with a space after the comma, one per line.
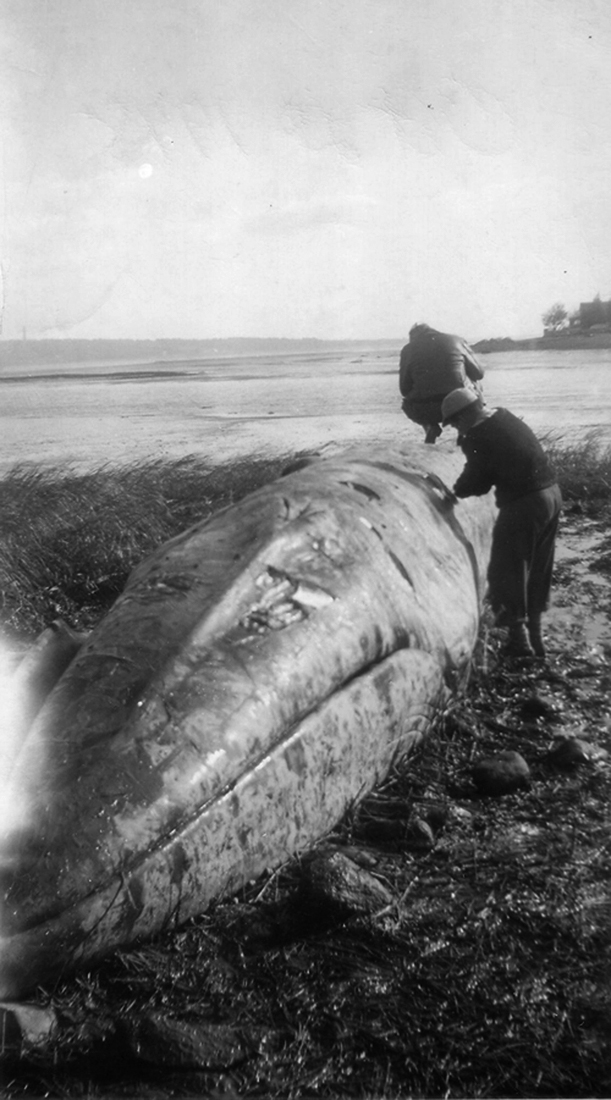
[258, 674]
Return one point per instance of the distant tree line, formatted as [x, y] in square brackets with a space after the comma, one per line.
[555, 318]
[592, 314]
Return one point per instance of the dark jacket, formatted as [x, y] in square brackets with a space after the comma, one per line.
[434, 363]
[504, 452]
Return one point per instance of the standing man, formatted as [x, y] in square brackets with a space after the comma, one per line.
[431, 365]
[502, 451]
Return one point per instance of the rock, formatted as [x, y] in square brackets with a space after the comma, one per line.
[254, 925]
[411, 832]
[419, 836]
[436, 815]
[539, 706]
[570, 752]
[459, 815]
[385, 830]
[25, 1025]
[332, 879]
[501, 774]
[157, 1039]
[455, 726]
[361, 856]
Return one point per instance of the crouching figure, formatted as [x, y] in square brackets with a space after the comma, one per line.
[433, 364]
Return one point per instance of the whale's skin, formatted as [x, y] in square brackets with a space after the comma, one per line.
[259, 674]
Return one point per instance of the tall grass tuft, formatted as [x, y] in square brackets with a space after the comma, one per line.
[68, 540]
[583, 468]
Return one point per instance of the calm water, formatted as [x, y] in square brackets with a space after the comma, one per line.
[93, 414]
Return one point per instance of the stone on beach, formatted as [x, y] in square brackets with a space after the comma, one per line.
[503, 773]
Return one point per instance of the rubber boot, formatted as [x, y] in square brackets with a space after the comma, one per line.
[534, 633]
[518, 643]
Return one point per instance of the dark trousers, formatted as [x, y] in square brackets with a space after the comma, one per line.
[424, 410]
[522, 556]
[427, 410]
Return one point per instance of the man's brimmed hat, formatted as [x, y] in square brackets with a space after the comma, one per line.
[455, 402]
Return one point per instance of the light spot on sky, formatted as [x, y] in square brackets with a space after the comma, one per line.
[145, 171]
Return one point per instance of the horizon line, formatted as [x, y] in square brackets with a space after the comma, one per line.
[225, 339]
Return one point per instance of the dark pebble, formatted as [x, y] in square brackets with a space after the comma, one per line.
[501, 774]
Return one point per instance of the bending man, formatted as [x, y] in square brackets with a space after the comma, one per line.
[502, 451]
[431, 365]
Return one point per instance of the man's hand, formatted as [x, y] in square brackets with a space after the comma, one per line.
[448, 497]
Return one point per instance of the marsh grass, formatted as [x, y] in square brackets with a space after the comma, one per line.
[584, 469]
[68, 540]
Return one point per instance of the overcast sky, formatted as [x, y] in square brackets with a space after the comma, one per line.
[329, 168]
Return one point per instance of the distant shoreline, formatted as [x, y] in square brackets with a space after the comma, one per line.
[24, 352]
[545, 343]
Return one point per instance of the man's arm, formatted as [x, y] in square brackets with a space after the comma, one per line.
[477, 478]
[471, 485]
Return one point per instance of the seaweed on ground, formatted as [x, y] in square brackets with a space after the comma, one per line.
[487, 974]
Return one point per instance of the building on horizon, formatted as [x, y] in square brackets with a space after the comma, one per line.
[591, 317]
